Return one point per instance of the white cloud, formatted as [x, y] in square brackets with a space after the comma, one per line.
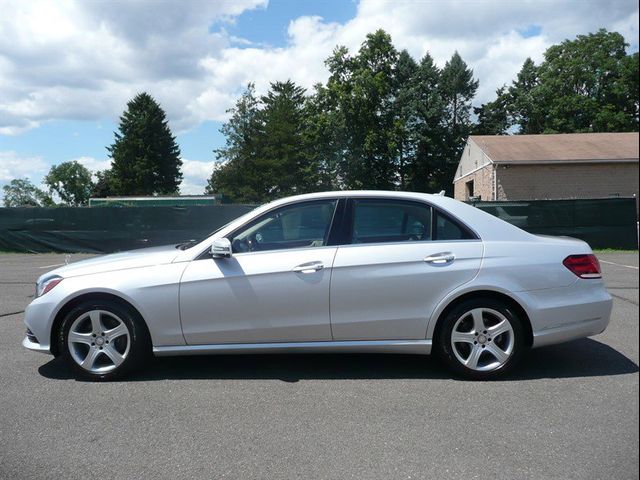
[93, 164]
[196, 173]
[85, 60]
[13, 166]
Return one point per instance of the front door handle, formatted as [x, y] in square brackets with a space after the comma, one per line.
[310, 267]
[442, 258]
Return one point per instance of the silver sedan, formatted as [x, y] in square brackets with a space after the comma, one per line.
[386, 272]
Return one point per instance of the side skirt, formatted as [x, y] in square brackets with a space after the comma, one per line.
[421, 347]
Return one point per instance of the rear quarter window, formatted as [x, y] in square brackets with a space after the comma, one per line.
[446, 228]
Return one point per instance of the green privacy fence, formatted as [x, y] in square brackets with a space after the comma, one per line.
[602, 222]
[108, 229]
[168, 201]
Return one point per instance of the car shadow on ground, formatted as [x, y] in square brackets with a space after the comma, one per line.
[580, 358]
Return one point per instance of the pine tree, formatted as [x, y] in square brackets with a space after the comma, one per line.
[493, 117]
[428, 128]
[524, 107]
[284, 157]
[457, 88]
[146, 158]
[325, 138]
[269, 152]
[404, 109]
[238, 178]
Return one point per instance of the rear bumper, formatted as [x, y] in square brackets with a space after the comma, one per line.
[567, 314]
[566, 333]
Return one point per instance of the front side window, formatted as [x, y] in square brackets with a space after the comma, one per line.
[301, 225]
[390, 221]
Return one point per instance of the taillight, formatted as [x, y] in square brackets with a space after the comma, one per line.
[584, 266]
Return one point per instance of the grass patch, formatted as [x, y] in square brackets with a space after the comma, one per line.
[613, 250]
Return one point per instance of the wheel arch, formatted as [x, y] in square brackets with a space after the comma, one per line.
[85, 297]
[485, 293]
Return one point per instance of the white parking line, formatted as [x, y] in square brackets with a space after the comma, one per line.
[56, 265]
[619, 264]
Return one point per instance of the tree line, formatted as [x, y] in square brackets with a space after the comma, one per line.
[386, 121]
[382, 120]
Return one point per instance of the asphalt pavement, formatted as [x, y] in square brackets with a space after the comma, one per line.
[571, 412]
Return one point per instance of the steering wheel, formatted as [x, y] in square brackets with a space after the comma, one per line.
[251, 243]
[240, 246]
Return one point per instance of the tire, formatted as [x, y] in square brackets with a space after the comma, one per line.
[103, 340]
[481, 339]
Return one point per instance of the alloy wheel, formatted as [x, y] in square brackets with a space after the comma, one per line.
[482, 339]
[99, 341]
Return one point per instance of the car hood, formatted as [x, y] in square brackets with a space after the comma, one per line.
[143, 257]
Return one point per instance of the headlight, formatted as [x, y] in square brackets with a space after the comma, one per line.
[43, 286]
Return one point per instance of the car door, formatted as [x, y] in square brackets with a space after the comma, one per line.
[274, 287]
[401, 259]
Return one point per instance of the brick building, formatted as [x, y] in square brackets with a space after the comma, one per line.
[542, 167]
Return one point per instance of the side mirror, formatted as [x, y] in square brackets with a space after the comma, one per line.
[221, 248]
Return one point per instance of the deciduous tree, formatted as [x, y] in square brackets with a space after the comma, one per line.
[20, 192]
[71, 181]
[363, 91]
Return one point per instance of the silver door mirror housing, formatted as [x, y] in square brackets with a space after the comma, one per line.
[221, 248]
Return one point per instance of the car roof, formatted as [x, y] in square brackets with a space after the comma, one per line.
[356, 193]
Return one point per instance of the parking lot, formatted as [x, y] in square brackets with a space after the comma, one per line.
[570, 412]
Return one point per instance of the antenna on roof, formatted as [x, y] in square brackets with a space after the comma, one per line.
[441, 193]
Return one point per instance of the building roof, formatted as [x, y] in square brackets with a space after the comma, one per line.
[559, 148]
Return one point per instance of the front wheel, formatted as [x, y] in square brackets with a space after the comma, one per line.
[102, 340]
[481, 339]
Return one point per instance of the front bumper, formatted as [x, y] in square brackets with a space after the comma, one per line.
[36, 347]
[38, 318]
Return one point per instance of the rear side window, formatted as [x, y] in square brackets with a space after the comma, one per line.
[382, 221]
[445, 228]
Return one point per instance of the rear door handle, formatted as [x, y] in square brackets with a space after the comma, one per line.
[442, 258]
[310, 267]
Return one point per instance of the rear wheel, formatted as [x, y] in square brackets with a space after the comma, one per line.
[481, 339]
[103, 340]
